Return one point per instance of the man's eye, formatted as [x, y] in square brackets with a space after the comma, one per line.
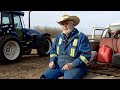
[64, 23]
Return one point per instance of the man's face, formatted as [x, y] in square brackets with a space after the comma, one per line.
[67, 27]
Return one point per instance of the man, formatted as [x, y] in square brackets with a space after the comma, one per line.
[70, 52]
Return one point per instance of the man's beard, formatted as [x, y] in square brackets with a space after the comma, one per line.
[68, 31]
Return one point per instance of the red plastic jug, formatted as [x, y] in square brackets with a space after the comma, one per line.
[104, 54]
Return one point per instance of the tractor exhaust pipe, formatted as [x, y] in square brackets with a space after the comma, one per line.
[29, 19]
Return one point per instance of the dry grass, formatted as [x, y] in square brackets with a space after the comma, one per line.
[53, 31]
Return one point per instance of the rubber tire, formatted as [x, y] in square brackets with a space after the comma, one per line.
[116, 60]
[3, 41]
[41, 52]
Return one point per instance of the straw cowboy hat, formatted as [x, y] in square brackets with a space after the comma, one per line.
[67, 17]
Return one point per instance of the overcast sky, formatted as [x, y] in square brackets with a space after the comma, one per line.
[88, 19]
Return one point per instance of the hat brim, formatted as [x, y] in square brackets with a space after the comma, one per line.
[71, 18]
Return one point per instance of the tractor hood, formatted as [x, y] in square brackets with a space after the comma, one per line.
[32, 32]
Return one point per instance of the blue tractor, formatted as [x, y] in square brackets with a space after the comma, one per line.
[16, 41]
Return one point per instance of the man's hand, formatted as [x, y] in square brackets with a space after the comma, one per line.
[51, 65]
[67, 66]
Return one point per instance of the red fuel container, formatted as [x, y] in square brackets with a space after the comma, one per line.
[104, 54]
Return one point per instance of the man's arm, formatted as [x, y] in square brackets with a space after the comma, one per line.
[85, 52]
[53, 54]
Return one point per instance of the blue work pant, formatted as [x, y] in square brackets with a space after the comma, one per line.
[75, 73]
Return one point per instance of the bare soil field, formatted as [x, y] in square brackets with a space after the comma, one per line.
[105, 69]
[32, 66]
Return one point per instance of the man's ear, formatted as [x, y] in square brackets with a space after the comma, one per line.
[73, 24]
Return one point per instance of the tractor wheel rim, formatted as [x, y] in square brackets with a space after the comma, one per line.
[47, 46]
[11, 50]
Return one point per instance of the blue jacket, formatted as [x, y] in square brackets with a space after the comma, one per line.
[77, 47]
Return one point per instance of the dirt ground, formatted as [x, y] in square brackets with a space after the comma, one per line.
[31, 67]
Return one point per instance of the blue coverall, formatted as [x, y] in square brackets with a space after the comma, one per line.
[76, 50]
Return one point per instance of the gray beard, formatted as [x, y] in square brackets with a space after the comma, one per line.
[67, 33]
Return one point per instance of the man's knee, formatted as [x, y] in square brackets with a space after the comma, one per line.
[74, 74]
[51, 74]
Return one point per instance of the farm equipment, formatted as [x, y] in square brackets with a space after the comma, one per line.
[107, 45]
[16, 40]
[95, 40]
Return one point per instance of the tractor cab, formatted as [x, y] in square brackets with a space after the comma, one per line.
[11, 21]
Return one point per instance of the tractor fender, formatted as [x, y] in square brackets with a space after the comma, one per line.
[12, 34]
[42, 35]
[45, 34]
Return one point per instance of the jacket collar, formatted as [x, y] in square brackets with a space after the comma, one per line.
[72, 34]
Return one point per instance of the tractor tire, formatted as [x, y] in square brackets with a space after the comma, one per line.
[44, 47]
[11, 49]
[116, 60]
